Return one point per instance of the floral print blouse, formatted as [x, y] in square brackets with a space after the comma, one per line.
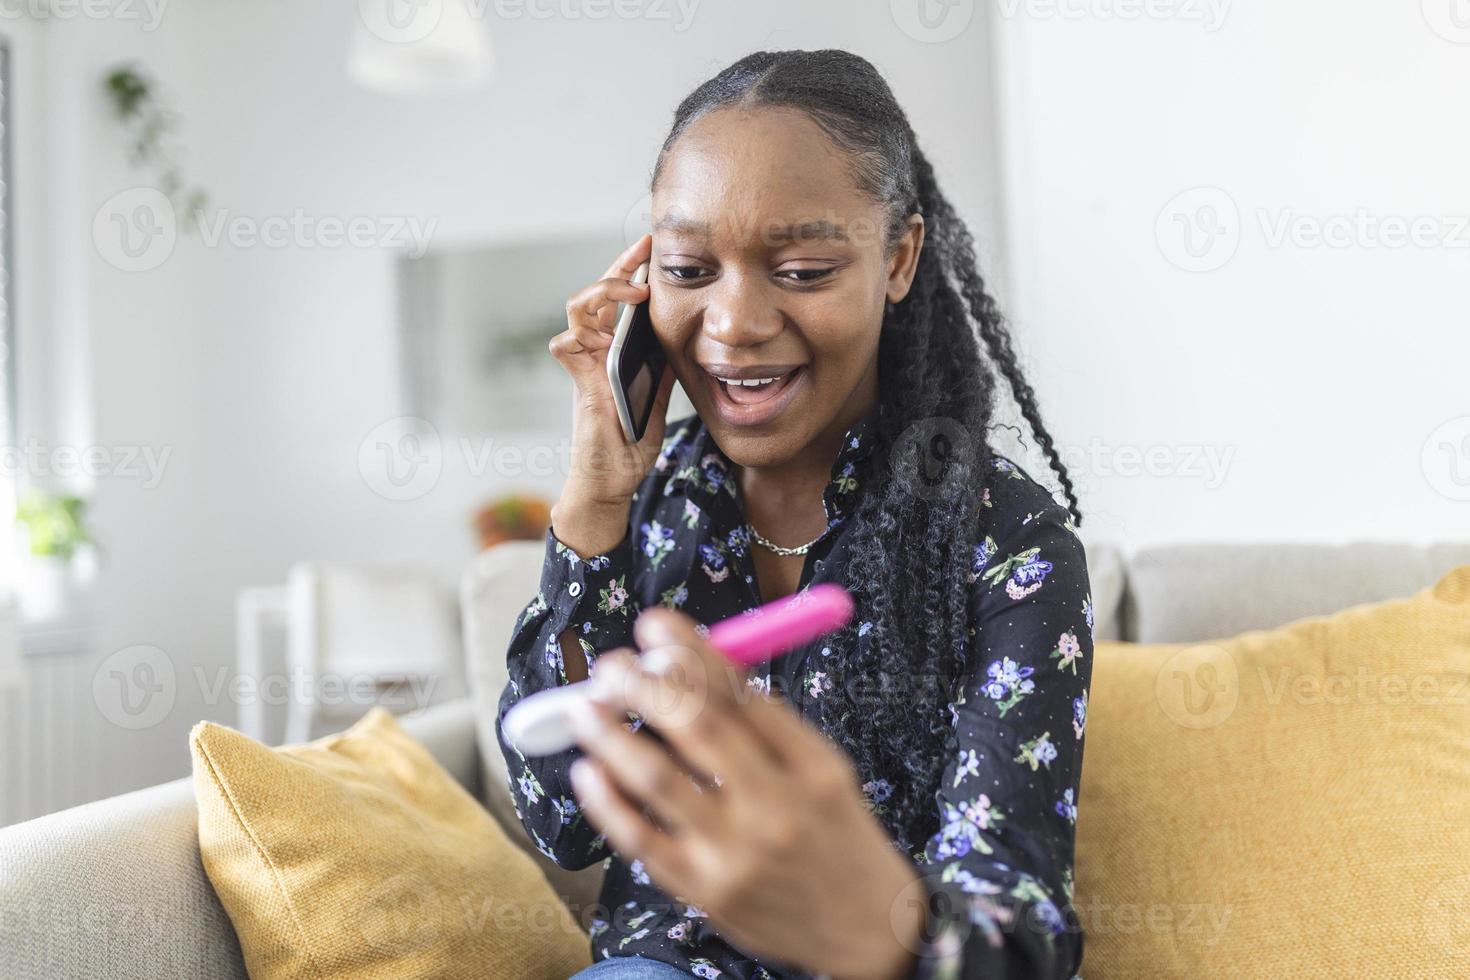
[998, 865]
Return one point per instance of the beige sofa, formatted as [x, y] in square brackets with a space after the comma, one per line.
[115, 889]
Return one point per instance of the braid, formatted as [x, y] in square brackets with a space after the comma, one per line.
[960, 245]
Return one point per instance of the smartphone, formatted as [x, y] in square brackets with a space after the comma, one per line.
[635, 363]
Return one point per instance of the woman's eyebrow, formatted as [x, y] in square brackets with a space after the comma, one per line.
[817, 229]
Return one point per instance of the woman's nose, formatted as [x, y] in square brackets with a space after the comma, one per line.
[739, 314]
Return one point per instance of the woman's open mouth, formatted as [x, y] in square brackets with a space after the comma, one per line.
[754, 395]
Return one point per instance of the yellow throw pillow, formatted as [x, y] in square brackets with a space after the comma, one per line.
[358, 856]
[1286, 803]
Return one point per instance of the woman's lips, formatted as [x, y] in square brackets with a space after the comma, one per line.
[741, 405]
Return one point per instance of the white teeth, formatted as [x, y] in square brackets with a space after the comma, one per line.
[749, 382]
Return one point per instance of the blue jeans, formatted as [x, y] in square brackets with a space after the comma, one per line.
[631, 968]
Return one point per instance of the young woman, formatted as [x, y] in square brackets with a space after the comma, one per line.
[899, 799]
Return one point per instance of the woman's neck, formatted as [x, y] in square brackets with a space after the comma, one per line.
[784, 501]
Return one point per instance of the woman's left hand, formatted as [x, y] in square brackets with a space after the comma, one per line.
[759, 818]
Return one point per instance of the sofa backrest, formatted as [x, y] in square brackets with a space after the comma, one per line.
[494, 591]
[1189, 593]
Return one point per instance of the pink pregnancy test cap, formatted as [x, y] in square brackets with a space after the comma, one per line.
[787, 623]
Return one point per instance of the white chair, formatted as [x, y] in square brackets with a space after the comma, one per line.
[360, 635]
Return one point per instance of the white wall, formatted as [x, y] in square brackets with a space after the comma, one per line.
[263, 369]
[1323, 370]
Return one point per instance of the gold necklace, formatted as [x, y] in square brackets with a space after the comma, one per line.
[784, 552]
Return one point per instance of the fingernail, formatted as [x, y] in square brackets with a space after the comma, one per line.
[580, 772]
[584, 717]
[656, 661]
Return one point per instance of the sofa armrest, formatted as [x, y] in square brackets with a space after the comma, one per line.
[113, 889]
[116, 888]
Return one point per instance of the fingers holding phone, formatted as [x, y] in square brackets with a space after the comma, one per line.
[615, 437]
[592, 314]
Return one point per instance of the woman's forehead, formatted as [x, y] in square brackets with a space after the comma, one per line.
[770, 174]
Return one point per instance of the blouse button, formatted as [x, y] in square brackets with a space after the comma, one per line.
[575, 588]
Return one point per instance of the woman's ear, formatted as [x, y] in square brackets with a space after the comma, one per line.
[904, 262]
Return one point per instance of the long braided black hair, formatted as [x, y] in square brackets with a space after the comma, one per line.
[940, 350]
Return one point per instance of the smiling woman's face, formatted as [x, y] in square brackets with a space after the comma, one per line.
[769, 263]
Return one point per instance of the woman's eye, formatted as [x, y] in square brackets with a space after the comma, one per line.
[683, 273]
[805, 275]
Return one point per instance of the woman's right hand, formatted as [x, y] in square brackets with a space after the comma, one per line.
[592, 514]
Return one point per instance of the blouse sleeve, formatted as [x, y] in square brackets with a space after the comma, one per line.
[593, 597]
[999, 869]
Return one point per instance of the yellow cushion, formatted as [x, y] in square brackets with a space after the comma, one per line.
[1286, 803]
[358, 856]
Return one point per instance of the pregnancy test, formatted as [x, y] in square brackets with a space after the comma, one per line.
[539, 724]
